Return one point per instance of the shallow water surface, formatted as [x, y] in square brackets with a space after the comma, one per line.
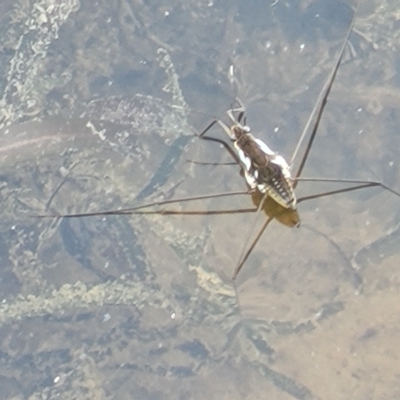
[143, 306]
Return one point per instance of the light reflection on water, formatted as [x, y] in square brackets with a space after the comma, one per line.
[144, 306]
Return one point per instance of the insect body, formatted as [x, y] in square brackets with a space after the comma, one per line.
[266, 173]
[264, 170]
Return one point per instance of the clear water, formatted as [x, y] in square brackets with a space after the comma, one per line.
[143, 307]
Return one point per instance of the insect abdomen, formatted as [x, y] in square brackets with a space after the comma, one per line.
[272, 181]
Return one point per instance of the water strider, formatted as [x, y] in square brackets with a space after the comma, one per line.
[267, 174]
[164, 324]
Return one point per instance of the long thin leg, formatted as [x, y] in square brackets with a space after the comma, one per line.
[332, 192]
[358, 181]
[208, 127]
[319, 109]
[226, 146]
[139, 210]
[133, 210]
[210, 163]
[305, 198]
[250, 249]
[221, 124]
[241, 257]
[220, 141]
[195, 212]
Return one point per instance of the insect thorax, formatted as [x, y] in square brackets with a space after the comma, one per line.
[252, 151]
